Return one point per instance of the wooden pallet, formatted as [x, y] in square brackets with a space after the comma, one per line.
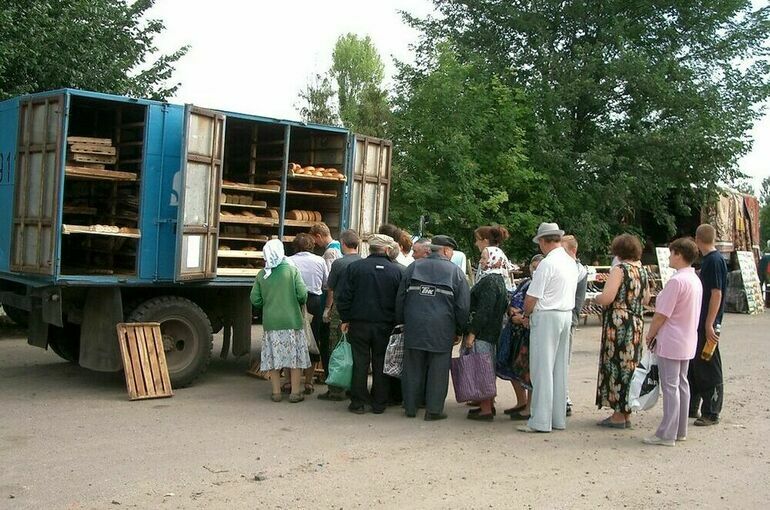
[88, 148]
[93, 158]
[144, 360]
[89, 140]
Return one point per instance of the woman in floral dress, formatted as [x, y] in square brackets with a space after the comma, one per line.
[624, 296]
[279, 293]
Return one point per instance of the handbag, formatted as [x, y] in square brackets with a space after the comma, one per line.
[312, 345]
[644, 389]
[341, 365]
[394, 353]
[473, 376]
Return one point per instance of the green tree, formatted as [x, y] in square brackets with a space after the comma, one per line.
[638, 108]
[101, 45]
[458, 134]
[316, 101]
[358, 70]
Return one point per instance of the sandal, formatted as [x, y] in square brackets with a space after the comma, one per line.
[607, 422]
[296, 397]
[514, 410]
[309, 389]
[286, 387]
[276, 397]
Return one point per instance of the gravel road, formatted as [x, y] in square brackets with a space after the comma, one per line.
[70, 439]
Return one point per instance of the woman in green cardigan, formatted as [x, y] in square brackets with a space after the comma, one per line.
[280, 293]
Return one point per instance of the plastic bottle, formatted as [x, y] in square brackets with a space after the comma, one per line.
[711, 345]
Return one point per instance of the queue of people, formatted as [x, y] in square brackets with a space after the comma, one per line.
[527, 329]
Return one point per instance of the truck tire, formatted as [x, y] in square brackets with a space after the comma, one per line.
[18, 316]
[187, 337]
[65, 342]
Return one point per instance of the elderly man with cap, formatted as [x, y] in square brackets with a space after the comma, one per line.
[433, 304]
[548, 308]
[367, 307]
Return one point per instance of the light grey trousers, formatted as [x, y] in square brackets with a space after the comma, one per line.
[548, 358]
[676, 397]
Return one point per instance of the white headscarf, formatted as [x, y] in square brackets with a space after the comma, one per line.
[274, 255]
[497, 263]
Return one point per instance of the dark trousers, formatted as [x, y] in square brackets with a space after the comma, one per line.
[368, 341]
[706, 383]
[425, 377]
[315, 308]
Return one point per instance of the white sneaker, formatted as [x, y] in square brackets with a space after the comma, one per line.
[681, 438]
[655, 440]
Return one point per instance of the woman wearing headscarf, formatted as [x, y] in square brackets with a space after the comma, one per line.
[493, 236]
[280, 293]
[489, 300]
[515, 343]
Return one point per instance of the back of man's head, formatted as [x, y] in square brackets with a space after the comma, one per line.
[706, 234]
[570, 243]
[350, 239]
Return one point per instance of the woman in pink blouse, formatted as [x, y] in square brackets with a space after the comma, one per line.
[673, 337]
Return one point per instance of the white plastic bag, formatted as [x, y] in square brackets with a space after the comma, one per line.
[645, 383]
[394, 353]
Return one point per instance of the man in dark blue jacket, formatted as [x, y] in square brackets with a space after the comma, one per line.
[433, 304]
[367, 307]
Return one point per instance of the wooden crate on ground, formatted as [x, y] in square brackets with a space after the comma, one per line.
[144, 360]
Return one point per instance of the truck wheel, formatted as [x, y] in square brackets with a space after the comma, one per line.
[17, 315]
[65, 342]
[187, 337]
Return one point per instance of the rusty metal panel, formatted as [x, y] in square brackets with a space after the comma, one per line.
[198, 222]
[370, 194]
[37, 183]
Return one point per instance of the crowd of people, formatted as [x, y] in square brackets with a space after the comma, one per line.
[527, 326]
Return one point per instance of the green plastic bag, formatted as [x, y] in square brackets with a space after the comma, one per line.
[341, 365]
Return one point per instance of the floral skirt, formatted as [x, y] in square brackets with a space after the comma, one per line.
[620, 351]
[284, 348]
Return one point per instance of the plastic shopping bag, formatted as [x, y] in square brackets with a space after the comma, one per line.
[645, 384]
[394, 353]
[341, 365]
[312, 345]
[473, 376]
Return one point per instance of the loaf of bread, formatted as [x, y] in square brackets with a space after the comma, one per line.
[273, 213]
[318, 216]
[293, 214]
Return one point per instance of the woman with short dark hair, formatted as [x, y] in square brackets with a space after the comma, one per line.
[673, 337]
[624, 295]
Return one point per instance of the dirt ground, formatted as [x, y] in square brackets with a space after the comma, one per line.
[70, 439]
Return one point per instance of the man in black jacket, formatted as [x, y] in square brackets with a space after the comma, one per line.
[433, 304]
[366, 305]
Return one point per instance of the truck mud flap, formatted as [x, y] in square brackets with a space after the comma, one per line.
[99, 349]
[241, 307]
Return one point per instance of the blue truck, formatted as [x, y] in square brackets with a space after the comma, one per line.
[120, 209]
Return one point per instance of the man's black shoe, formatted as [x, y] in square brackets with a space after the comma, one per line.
[569, 410]
[410, 415]
[357, 410]
[435, 416]
[336, 397]
[378, 411]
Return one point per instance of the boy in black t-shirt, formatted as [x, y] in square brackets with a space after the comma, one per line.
[706, 381]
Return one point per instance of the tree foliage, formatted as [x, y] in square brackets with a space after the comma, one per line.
[359, 72]
[458, 134]
[316, 101]
[639, 109]
[101, 45]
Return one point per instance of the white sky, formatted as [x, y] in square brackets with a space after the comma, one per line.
[254, 56]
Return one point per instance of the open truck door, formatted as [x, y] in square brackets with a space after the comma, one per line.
[201, 178]
[370, 184]
[37, 182]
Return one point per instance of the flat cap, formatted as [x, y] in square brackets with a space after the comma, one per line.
[444, 241]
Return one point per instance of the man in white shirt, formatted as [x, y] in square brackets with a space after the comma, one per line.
[548, 308]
